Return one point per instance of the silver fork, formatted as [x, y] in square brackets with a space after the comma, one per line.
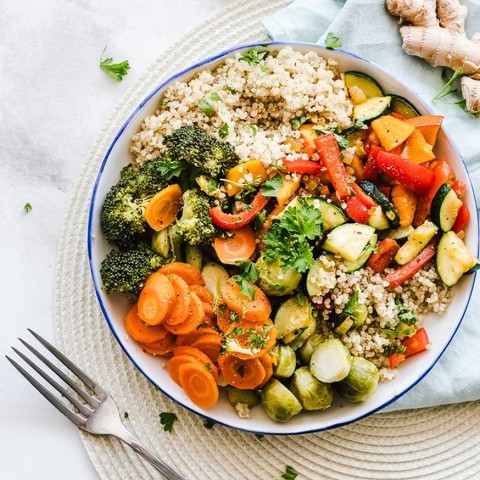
[98, 414]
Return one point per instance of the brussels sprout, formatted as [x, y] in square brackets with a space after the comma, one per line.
[194, 256]
[361, 382]
[296, 340]
[237, 395]
[311, 392]
[285, 361]
[402, 330]
[274, 280]
[331, 361]
[161, 242]
[279, 402]
[321, 273]
[308, 346]
[215, 276]
[293, 317]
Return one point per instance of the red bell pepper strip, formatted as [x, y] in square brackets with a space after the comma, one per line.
[462, 219]
[403, 273]
[441, 174]
[414, 176]
[327, 148]
[383, 255]
[416, 343]
[395, 358]
[458, 187]
[356, 209]
[371, 170]
[233, 221]
[367, 200]
[303, 166]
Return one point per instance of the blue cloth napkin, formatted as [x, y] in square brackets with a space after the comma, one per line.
[366, 28]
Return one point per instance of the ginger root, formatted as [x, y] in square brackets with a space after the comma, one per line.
[435, 31]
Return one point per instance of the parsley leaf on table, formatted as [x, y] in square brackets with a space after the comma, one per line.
[167, 419]
[27, 207]
[290, 473]
[116, 70]
[332, 41]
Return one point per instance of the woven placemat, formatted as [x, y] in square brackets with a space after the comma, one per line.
[433, 443]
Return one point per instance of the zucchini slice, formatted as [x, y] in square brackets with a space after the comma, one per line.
[399, 233]
[349, 240]
[453, 259]
[332, 215]
[445, 207]
[385, 204]
[365, 255]
[364, 82]
[372, 108]
[378, 219]
[403, 107]
[416, 242]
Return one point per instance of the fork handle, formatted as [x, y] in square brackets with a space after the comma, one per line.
[149, 456]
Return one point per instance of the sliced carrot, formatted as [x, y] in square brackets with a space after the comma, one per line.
[196, 316]
[240, 373]
[140, 331]
[238, 247]
[210, 345]
[175, 362]
[252, 310]
[156, 299]
[267, 362]
[226, 317]
[162, 210]
[189, 338]
[189, 273]
[202, 357]
[199, 384]
[203, 293]
[208, 320]
[162, 347]
[253, 339]
[181, 307]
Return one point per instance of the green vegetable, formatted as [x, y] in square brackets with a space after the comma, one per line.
[306, 350]
[192, 145]
[195, 225]
[125, 271]
[254, 56]
[248, 276]
[285, 360]
[27, 207]
[274, 280]
[361, 382]
[292, 318]
[237, 395]
[288, 239]
[290, 473]
[206, 106]
[330, 361]
[167, 419]
[354, 311]
[116, 70]
[311, 392]
[272, 186]
[279, 402]
[122, 216]
[215, 276]
[331, 41]
[223, 131]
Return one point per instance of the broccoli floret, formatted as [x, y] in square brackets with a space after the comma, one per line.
[192, 145]
[125, 271]
[122, 218]
[195, 225]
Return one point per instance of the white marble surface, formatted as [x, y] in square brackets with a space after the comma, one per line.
[53, 101]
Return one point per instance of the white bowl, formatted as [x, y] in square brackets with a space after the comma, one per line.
[441, 329]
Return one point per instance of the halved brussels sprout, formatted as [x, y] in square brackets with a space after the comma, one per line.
[321, 275]
[296, 340]
[308, 347]
[215, 276]
[279, 402]
[237, 395]
[293, 317]
[311, 392]
[285, 361]
[331, 361]
[274, 280]
[361, 382]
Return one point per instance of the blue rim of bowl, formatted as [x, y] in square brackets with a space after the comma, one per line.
[97, 287]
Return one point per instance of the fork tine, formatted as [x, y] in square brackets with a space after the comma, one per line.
[81, 406]
[72, 416]
[88, 398]
[68, 363]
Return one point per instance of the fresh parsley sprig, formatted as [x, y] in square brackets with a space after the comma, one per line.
[249, 275]
[167, 419]
[116, 70]
[254, 56]
[331, 41]
[290, 473]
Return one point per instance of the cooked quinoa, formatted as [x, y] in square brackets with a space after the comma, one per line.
[254, 103]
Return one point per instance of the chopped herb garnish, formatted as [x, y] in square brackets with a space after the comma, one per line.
[259, 220]
[296, 123]
[156, 388]
[341, 140]
[231, 90]
[259, 435]
[125, 415]
[116, 70]
[208, 424]
[215, 97]
[332, 41]
[167, 419]
[27, 207]
[394, 347]
[254, 56]
[206, 106]
[290, 473]
[404, 314]
[223, 131]
[170, 168]
[272, 186]
[246, 279]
